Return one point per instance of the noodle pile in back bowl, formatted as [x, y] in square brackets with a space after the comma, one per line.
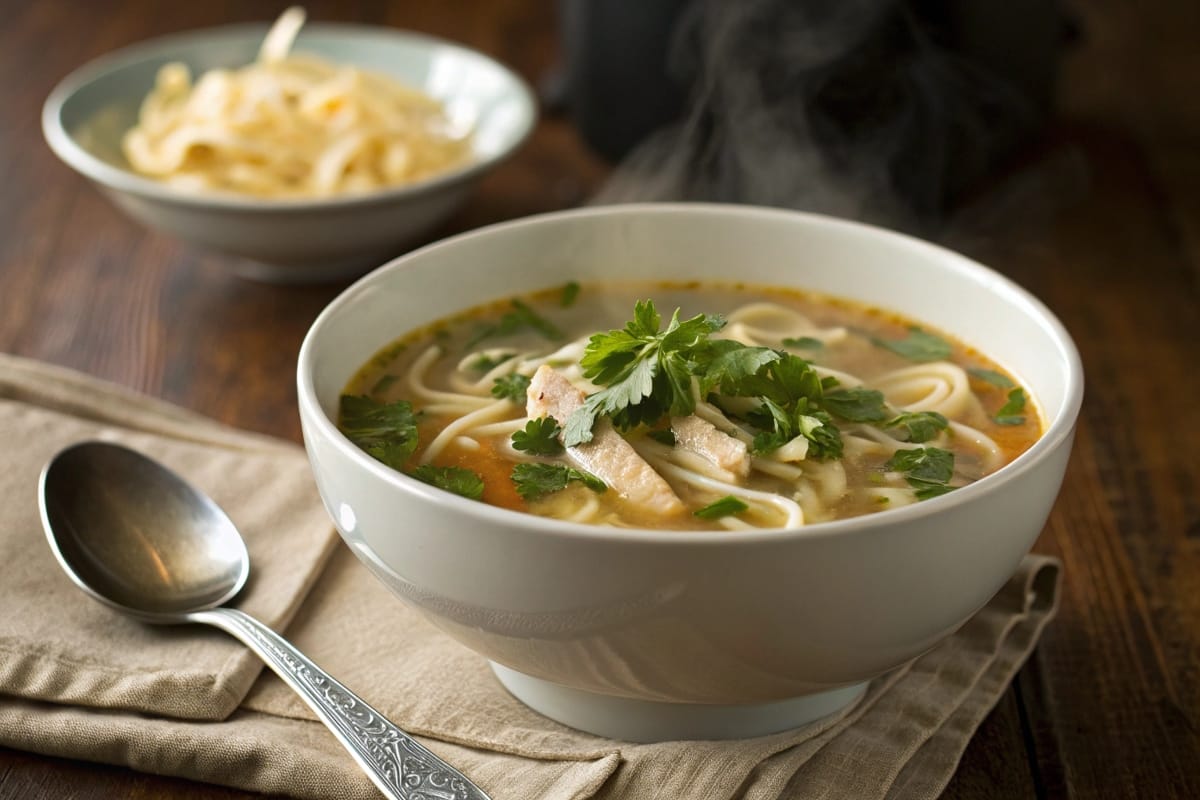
[314, 153]
[642, 627]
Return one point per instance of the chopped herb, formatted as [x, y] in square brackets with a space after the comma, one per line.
[539, 438]
[927, 469]
[645, 372]
[384, 383]
[521, 316]
[729, 364]
[486, 363]
[724, 507]
[856, 405]
[570, 293]
[804, 343]
[1010, 412]
[917, 346]
[918, 426]
[825, 441]
[664, 435]
[385, 431]
[460, 481]
[997, 379]
[535, 480]
[512, 387]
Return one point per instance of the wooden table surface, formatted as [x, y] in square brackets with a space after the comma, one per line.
[1102, 223]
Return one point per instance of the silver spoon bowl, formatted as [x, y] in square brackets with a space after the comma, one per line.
[137, 537]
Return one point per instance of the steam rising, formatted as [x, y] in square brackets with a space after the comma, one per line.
[847, 107]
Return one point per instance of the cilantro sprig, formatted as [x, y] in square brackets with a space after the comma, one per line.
[385, 431]
[460, 481]
[1010, 412]
[539, 438]
[917, 426]
[927, 470]
[511, 387]
[520, 317]
[536, 480]
[918, 345]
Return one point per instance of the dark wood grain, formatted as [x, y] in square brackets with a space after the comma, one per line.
[1101, 221]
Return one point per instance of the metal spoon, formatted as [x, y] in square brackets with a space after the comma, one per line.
[137, 537]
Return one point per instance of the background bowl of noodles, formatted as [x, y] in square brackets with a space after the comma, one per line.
[643, 633]
[290, 239]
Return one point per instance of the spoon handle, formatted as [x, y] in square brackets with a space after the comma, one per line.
[401, 767]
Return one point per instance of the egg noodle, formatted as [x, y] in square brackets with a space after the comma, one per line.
[290, 125]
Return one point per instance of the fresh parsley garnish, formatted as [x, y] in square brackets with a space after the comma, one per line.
[997, 379]
[520, 317]
[385, 431]
[799, 419]
[646, 372]
[803, 343]
[917, 426]
[570, 293]
[460, 481]
[663, 436]
[1010, 412]
[927, 469]
[486, 363]
[918, 345]
[856, 405]
[535, 480]
[511, 386]
[540, 437]
[726, 506]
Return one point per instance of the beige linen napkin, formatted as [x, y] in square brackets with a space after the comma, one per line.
[902, 740]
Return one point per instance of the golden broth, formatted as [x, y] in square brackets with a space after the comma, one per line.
[447, 372]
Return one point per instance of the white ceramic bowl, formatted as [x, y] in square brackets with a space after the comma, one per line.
[289, 240]
[642, 634]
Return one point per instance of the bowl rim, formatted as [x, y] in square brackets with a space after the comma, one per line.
[1058, 432]
[64, 145]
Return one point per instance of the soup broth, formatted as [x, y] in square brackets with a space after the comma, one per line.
[676, 406]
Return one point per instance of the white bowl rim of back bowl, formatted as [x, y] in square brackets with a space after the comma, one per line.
[646, 719]
[120, 178]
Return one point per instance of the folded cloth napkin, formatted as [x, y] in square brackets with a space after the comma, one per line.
[78, 680]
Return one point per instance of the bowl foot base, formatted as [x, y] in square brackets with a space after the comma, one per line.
[652, 721]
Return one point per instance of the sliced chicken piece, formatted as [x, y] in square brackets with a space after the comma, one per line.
[704, 439]
[607, 456]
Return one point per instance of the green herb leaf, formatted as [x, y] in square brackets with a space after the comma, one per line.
[512, 387]
[918, 426]
[539, 438]
[927, 469]
[997, 379]
[535, 480]
[856, 405]
[487, 363]
[724, 507]
[729, 364]
[917, 346]
[664, 436]
[520, 318]
[460, 481]
[1010, 412]
[385, 431]
[804, 343]
[570, 293]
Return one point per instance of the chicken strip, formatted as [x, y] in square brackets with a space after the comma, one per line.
[704, 439]
[607, 456]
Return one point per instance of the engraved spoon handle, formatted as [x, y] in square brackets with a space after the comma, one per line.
[401, 767]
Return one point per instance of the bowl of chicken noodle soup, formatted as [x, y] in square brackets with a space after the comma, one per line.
[689, 471]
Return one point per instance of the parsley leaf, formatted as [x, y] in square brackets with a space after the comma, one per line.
[1010, 412]
[540, 437]
[460, 481]
[856, 405]
[511, 386]
[535, 480]
[570, 293]
[801, 419]
[917, 346]
[729, 364]
[724, 507]
[927, 469]
[918, 426]
[521, 316]
[997, 379]
[803, 343]
[385, 431]
[663, 436]
[486, 363]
